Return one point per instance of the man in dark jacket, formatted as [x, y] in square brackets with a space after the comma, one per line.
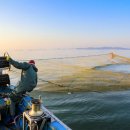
[27, 83]
[28, 75]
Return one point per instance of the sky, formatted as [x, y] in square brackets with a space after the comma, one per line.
[46, 24]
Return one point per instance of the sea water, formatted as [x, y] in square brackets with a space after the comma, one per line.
[86, 110]
[91, 110]
[123, 68]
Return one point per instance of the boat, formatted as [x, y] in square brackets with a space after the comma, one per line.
[28, 113]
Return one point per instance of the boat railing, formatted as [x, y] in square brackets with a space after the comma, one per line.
[53, 116]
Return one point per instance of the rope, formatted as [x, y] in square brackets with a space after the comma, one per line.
[68, 57]
[51, 82]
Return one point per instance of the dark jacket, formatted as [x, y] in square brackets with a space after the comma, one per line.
[28, 76]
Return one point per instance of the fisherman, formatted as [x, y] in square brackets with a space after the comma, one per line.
[27, 83]
[28, 75]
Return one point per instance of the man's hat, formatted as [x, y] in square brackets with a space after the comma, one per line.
[31, 62]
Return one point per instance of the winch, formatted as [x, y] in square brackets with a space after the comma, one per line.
[35, 118]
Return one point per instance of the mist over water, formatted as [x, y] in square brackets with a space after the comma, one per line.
[87, 110]
[61, 53]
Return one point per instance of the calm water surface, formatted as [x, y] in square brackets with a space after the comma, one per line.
[88, 110]
[91, 110]
[124, 68]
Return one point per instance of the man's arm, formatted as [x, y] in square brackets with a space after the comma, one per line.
[19, 65]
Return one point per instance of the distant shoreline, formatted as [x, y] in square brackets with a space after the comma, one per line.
[104, 48]
[77, 48]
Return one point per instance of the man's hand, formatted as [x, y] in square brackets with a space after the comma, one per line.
[7, 58]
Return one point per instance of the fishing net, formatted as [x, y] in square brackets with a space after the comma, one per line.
[79, 73]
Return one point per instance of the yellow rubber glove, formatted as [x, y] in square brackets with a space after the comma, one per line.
[6, 55]
[8, 102]
[7, 58]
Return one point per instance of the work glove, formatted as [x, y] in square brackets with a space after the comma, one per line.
[7, 56]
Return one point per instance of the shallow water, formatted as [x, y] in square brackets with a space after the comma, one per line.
[91, 110]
